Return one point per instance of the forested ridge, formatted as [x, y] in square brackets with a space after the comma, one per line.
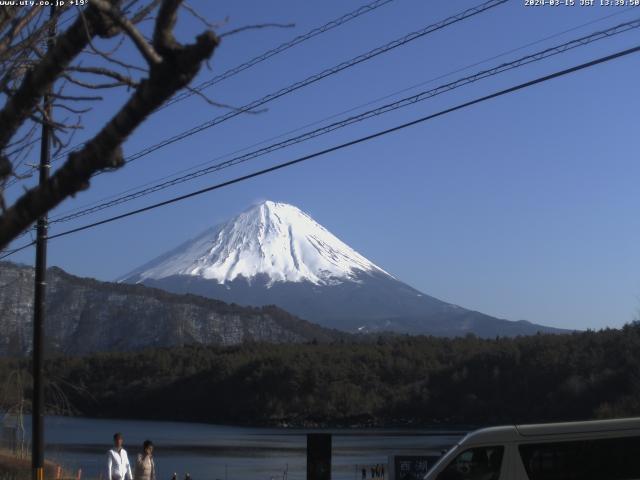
[386, 380]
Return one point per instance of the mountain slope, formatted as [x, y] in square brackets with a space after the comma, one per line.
[274, 253]
[272, 240]
[86, 316]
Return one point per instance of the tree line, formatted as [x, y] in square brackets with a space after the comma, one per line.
[384, 380]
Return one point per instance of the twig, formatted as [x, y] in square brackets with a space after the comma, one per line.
[77, 98]
[145, 48]
[222, 105]
[68, 142]
[94, 86]
[143, 12]
[33, 86]
[105, 72]
[18, 25]
[256, 27]
[72, 110]
[200, 17]
[106, 53]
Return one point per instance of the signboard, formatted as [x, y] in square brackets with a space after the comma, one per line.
[412, 467]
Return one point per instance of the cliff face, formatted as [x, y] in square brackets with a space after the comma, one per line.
[85, 316]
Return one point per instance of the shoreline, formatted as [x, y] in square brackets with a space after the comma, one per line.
[205, 450]
[397, 426]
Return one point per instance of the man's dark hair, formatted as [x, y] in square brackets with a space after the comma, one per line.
[116, 436]
[147, 444]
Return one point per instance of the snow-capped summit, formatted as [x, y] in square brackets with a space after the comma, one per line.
[271, 239]
[275, 254]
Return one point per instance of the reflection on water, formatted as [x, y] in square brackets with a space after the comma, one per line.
[210, 452]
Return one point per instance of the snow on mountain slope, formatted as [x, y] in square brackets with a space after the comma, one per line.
[273, 239]
[275, 254]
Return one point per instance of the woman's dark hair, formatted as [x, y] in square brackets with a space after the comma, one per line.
[116, 436]
[147, 444]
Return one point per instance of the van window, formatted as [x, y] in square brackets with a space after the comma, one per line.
[604, 459]
[480, 463]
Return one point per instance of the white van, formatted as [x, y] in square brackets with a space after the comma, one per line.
[593, 450]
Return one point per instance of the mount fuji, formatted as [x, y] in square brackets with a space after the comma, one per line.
[275, 254]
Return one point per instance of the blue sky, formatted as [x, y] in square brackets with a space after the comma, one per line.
[524, 207]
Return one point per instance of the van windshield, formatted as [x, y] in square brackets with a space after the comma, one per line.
[444, 459]
[479, 463]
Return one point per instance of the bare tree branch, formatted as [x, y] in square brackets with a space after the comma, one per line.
[163, 39]
[40, 120]
[6, 168]
[78, 111]
[93, 50]
[198, 16]
[105, 72]
[34, 84]
[129, 28]
[67, 142]
[214, 103]
[178, 66]
[118, 62]
[18, 26]
[256, 27]
[29, 39]
[95, 86]
[76, 98]
[144, 12]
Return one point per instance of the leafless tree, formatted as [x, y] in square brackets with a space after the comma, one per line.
[82, 61]
[13, 403]
[15, 400]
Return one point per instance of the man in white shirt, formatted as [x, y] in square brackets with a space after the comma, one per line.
[117, 461]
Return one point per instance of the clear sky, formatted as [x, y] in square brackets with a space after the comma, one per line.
[524, 207]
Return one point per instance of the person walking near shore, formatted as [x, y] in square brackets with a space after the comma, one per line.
[118, 467]
[145, 465]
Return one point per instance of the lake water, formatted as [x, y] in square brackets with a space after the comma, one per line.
[210, 452]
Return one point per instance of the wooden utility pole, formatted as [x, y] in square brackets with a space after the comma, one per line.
[37, 410]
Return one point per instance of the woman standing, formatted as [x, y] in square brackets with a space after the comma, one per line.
[145, 466]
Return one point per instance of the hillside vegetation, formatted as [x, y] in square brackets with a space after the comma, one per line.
[401, 380]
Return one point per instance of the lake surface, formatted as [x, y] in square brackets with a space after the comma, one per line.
[211, 452]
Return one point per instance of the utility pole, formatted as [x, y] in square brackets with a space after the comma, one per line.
[37, 413]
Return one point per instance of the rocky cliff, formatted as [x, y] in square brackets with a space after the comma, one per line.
[86, 316]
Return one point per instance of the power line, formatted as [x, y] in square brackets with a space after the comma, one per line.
[402, 103]
[279, 49]
[335, 115]
[364, 9]
[16, 250]
[366, 138]
[468, 13]
[359, 140]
